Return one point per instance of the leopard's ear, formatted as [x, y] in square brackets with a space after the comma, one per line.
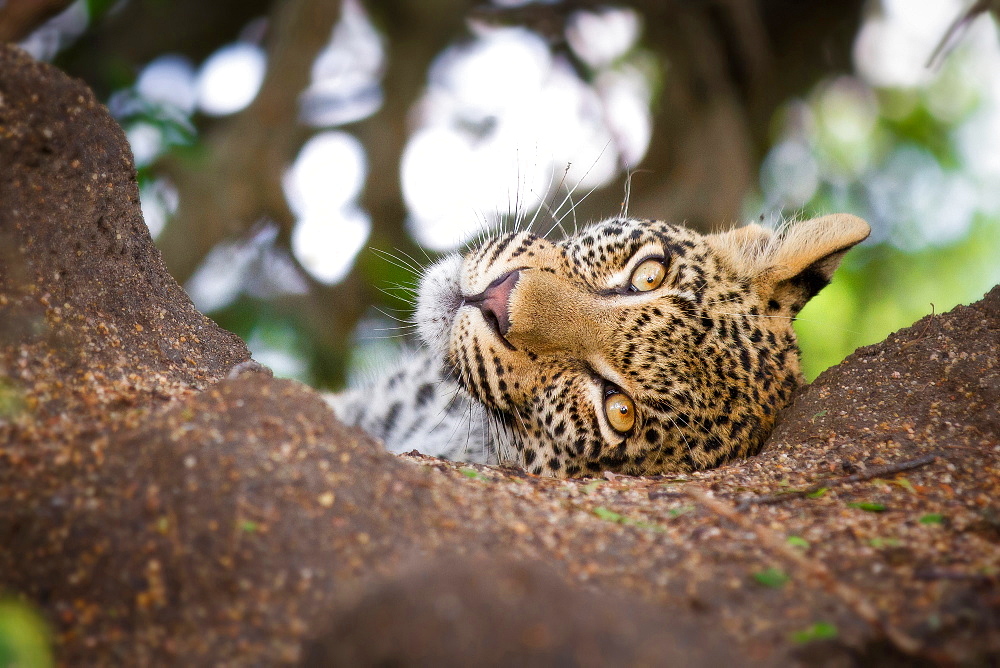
[791, 265]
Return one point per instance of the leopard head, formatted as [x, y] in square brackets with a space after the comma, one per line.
[633, 346]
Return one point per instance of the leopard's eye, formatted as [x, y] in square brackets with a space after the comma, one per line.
[649, 275]
[620, 411]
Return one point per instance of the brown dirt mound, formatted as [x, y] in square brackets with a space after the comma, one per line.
[87, 310]
[159, 514]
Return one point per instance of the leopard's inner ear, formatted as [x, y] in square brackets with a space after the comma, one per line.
[790, 266]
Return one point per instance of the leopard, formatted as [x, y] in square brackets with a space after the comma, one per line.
[632, 346]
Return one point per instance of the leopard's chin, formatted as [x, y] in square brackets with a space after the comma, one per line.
[439, 297]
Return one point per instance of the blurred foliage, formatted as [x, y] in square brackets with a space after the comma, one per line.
[716, 93]
[24, 637]
[880, 289]
[903, 272]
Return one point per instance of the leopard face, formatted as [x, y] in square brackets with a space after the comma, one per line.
[633, 346]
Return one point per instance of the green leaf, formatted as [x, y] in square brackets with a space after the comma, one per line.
[818, 631]
[591, 486]
[818, 493]
[905, 484]
[932, 518]
[639, 524]
[11, 399]
[249, 526]
[818, 415]
[609, 515]
[878, 542]
[612, 516]
[682, 510]
[771, 577]
[798, 541]
[472, 473]
[870, 507]
[24, 636]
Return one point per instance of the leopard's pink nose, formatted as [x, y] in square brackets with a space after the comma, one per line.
[494, 301]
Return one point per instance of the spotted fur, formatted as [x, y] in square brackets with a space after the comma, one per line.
[708, 357]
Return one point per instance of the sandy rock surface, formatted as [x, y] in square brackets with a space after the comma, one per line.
[158, 512]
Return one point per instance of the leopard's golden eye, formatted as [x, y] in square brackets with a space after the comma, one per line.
[649, 275]
[620, 411]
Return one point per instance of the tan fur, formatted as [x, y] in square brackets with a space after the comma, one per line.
[776, 256]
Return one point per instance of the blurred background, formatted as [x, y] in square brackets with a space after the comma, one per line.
[300, 160]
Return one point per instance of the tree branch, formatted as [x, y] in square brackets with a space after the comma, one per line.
[18, 18]
[236, 179]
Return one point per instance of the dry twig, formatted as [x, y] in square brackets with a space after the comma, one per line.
[956, 31]
[867, 474]
[943, 574]
[922, 333]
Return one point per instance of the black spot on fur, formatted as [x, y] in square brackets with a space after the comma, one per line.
[391, 416]
[424, 394]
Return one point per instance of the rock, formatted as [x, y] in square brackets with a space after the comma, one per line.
[460, 612]
[86, 299]
[938, 376]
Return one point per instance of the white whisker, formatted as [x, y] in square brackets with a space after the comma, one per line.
[623, 214]
[397, 261]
